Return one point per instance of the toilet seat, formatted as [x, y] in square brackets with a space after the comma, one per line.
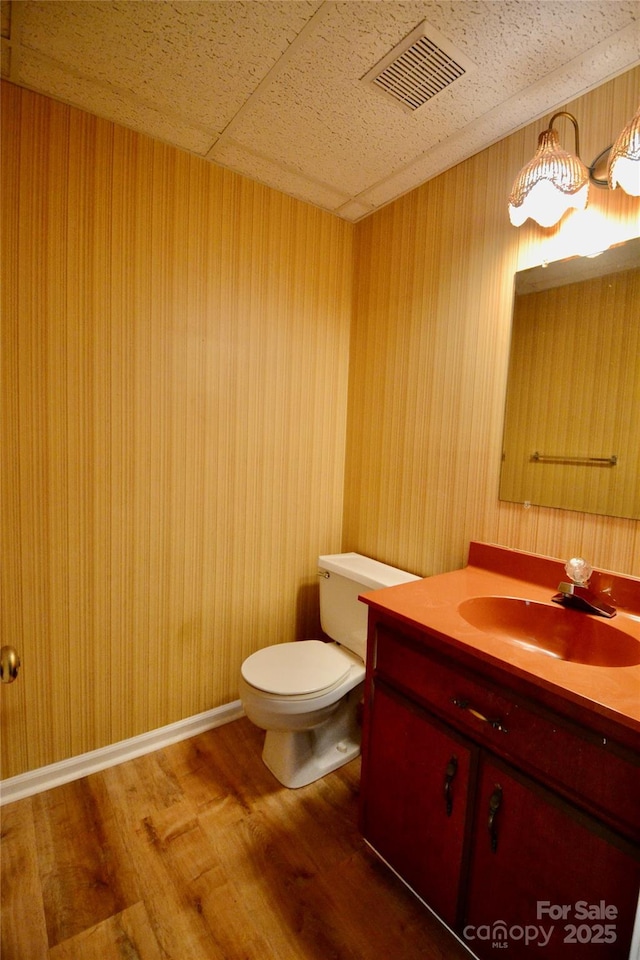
[299, 669]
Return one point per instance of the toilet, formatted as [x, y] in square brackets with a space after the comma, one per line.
[306, 694]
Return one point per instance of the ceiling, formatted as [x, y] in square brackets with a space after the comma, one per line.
[275, 90]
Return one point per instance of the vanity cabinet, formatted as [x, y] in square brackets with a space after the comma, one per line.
[540, 853]
[515, 823]
[418, 777]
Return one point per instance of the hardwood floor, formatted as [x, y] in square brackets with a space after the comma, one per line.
[197, 853]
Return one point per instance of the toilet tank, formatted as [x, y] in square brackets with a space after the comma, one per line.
[343, 577]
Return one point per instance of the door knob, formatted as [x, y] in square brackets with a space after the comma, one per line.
[9, 664]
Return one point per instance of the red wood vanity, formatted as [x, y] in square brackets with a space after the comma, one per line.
[503, 785]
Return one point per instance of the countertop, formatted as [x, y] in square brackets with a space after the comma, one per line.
[432, 605]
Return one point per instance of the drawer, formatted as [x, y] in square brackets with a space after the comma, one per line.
[594, 773]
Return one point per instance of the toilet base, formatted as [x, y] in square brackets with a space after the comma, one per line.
[298, 757]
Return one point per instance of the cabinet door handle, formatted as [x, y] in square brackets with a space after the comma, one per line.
[452, 769]
[492, 721]
[495, 800]
[9, 664]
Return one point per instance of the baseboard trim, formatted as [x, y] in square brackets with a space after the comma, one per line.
[55, 774]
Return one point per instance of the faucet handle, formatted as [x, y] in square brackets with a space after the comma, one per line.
[578, 570]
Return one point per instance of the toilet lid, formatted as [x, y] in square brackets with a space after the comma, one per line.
[296, 669]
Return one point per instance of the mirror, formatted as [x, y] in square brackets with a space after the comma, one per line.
[572, 415]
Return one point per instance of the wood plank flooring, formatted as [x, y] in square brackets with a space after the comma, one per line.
[196, 852]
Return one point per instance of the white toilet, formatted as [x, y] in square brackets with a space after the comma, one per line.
[306, 694]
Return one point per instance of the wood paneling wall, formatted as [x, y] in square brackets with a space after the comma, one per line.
[429, 356]
[175, 351]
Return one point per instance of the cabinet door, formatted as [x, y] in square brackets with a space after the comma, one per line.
[543, 875]
[415, 793]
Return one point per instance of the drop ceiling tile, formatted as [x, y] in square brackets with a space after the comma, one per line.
[5, 18]
[112, 102]
[200, 59]
[5, 62]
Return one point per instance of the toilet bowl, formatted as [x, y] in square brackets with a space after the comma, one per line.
[306, 694]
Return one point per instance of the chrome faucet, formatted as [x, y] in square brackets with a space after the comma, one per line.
[577, 593]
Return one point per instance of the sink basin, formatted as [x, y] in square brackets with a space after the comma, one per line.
[552, 631]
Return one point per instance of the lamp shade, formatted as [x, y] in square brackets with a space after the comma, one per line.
[624, 159]
[549, 185]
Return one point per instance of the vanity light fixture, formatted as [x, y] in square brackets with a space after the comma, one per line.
[555, 181]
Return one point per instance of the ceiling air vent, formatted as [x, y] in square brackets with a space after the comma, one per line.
[419, 67]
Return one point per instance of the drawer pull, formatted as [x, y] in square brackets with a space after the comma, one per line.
[9, 664]
[493, 722]
[495, 800]
[452, 769]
